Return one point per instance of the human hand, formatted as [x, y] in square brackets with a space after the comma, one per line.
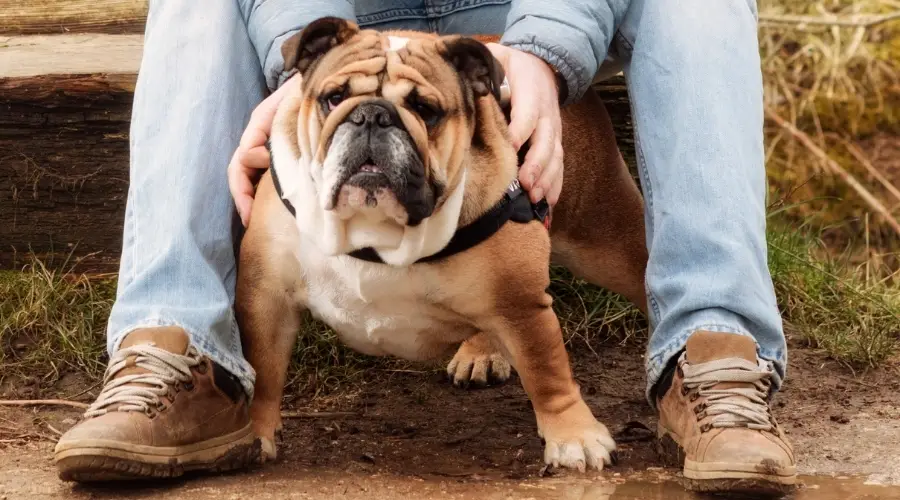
[534, 101]
[251, 158]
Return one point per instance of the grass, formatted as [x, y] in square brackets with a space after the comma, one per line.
[52, 322]
[832, 305]
[841, 87]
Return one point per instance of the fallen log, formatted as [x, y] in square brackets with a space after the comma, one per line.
[64, 113]
[65, 106]
[27, 17]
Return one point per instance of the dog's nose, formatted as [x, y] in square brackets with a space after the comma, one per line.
[380, 113]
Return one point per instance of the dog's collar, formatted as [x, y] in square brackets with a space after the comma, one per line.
[513, 206]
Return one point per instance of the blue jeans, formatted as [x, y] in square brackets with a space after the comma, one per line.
[693, 76]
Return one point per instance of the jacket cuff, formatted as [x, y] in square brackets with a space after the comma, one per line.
[567, 50]
[272, 22]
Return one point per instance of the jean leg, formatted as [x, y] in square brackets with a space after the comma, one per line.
[486, 17]
[385, 15]
[199, 80]
[695, 83]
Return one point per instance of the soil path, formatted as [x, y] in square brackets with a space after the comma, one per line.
[413, 435]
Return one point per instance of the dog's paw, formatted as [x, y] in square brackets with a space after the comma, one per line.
[478, 364]
[269, 439]
[269, 452]
[575, 439]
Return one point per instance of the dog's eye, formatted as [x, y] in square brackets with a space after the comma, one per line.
[333, 99]
[429, 114]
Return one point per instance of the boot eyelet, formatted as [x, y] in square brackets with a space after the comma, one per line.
[161, 407]
[202, 368]
[705, 427]
[684, 391]
[189, 386]
[694, 397]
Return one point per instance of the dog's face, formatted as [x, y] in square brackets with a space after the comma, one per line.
[386, 123]
[376, 146]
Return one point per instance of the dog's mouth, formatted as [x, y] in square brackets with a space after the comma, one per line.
[369, 167]
[377, 167]
[368, 175]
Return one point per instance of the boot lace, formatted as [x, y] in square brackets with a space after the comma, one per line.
[142, 391]
[743, 406]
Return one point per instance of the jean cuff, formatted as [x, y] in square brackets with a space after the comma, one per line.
[237, 366]
[657, 361]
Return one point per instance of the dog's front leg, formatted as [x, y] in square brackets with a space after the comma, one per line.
[529, 333]
[269, 321]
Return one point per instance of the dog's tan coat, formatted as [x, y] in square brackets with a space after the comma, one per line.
[493, 294]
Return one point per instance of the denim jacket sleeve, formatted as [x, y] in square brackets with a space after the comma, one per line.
[571, 35]
[271, 22]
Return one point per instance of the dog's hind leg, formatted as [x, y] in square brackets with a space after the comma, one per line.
[598, 230]
[619, 269]
[478, 363]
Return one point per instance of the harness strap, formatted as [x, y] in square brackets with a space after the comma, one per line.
[514, 206]
[287, 204]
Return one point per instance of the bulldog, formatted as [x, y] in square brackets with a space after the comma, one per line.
[392, 213]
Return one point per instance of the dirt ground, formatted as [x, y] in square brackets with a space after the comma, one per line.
[418, 427]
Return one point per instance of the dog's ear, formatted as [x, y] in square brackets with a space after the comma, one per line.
[305, 47]
[475, 62]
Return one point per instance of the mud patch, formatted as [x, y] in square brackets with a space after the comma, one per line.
[34, 478]
[413, 434]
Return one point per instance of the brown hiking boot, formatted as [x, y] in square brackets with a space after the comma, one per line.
[163, 410]
[715, 417]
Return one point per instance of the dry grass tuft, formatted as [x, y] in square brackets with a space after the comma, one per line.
[52, 321]
[840, 85]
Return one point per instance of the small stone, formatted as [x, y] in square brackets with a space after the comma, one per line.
[841, 419]
[547, 471]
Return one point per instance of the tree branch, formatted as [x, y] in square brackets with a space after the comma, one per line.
[836, 169]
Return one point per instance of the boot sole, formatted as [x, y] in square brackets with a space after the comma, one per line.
[724, 477]
[102, 460]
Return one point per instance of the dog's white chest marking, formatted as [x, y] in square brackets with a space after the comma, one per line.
[378, 309]
[397, 42]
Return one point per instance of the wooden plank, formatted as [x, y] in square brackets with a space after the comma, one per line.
[81, 54]
[26, 17]
[64, 129]
[65, 107]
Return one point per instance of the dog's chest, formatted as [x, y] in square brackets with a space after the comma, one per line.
[378, 309]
